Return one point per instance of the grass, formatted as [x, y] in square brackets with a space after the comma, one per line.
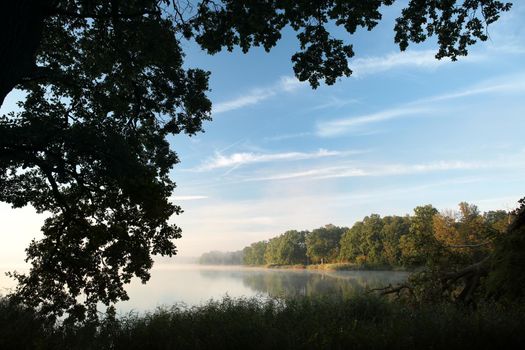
[321, 323]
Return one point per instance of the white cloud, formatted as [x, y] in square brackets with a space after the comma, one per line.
[422, 59]
[254, 96]
[341, 126]
[360, 66]
[242, 158]
[288, 84]
[318, 173]
[334, 102]
[287, 136]
[386, 170]
[502, 85]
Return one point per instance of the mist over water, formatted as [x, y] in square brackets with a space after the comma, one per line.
[191, 285]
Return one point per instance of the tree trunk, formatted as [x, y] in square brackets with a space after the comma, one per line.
[21, 25]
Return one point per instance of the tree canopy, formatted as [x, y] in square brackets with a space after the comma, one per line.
[105, 84]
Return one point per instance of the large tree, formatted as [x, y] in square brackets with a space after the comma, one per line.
[322, 244]
[105, 84]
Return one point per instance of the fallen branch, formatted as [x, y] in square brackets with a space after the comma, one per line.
[391, 289]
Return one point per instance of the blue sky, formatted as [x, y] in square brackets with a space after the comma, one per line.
[404, 130]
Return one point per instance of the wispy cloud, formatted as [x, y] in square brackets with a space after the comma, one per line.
[341, 126]
[422, 59]
[334, 102]
[385, 170]
[237, 159]
[257, 95]
[506, 85]
[310, 173]
[360, 66]
[287, 136]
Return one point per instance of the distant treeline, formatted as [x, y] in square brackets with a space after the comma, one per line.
[222, 258]
[396, 241]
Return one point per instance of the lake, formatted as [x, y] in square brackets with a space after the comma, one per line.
[195, 284]
[190, 285]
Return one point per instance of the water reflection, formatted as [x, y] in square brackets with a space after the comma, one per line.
[292, 283]
[196, 284]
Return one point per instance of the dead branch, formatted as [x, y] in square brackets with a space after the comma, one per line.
[391, 289]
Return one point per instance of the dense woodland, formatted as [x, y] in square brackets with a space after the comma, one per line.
[391, 241]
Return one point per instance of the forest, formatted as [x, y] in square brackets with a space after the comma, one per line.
[407, 241]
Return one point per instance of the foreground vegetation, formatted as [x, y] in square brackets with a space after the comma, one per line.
[358, 323]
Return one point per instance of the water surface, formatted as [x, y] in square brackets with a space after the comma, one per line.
[191, 285]
[196, 284]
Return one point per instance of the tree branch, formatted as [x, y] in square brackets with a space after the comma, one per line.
[40, 73]
[480, 266]
[391, 289]
[54, 186]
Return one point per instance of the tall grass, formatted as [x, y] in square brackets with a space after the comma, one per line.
[321, 323]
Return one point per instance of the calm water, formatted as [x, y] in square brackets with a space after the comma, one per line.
[195, 284]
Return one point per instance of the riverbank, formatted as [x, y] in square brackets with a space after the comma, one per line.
[307, 323]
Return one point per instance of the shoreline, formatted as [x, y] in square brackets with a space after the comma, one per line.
[327, 267]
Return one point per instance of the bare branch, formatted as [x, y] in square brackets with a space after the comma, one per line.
[391, 289]
[480, 266]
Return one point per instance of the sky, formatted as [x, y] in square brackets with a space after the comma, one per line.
[405, 130]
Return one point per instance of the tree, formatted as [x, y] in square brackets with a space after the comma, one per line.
[322, 244]
[292, 248]
[254, 254]
[352, 243]
[287, 249]
[419, 245]
[462, 230]
[271, 255]
[497, 220]
[372, 227]
[394, 228]
[105, 85]
[489, 271]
